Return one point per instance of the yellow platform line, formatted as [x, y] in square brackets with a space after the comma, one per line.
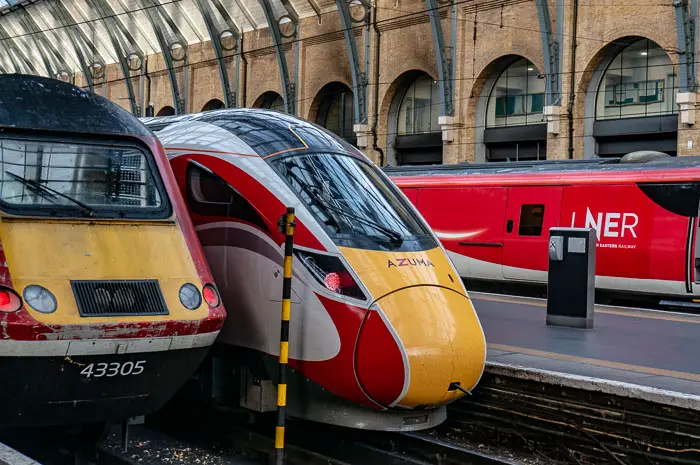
[597, 362]
[632, 313]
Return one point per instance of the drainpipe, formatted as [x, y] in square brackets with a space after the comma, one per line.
[149, 104]
[375, 146]
[572, 81]
[245, 72]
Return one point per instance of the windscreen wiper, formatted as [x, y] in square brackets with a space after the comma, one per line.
[393, 235]
[40, 187]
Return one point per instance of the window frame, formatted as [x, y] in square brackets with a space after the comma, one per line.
[191, 200]
[72, 211]
[529, 226]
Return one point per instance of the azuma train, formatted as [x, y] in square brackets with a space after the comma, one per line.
[107, 304]
[494, 219]
[383, 334]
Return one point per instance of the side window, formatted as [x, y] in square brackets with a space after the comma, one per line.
[210, 195]
[531, 219]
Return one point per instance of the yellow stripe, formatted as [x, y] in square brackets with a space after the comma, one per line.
[279, 437]
[281, 395]
[284, 351]
[287, 267]
[596, 362]
[286, 309]
[632, 313]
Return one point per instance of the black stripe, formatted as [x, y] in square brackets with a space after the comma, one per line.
[284, 333]
[689, 258]
[286, 288]
[288, 245]
[283, 374]
[280, 416]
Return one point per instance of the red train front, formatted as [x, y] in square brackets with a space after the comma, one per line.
[107, 305]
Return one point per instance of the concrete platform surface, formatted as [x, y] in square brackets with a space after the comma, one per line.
[629, 348]
[9, 456]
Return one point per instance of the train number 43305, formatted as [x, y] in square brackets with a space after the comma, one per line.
[110, 370]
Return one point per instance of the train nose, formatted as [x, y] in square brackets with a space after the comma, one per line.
[441, 343]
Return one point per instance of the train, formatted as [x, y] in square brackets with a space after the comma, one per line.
[383, 334]
[494, 219]
[107, 302]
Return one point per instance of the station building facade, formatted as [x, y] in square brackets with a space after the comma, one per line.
[529, 79]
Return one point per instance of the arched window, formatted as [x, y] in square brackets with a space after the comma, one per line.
[213, 104]
[335, 110]
[270, 100]
[639, 82]
[420, 107]
[166, 111]
[517, 98]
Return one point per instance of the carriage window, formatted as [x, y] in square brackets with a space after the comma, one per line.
[209, 195]
[531, 219]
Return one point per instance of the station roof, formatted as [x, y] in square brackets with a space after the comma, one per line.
[29, 28]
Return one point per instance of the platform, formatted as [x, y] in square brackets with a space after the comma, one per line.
[9, 456]
[632, 352]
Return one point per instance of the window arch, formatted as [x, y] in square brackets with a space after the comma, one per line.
[336, 110]
[638, 82]
[166, 111]
[420, 107]
[270, 100]
[213, 104]
[517, 97]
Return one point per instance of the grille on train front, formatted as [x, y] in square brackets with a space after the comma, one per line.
[119, 298]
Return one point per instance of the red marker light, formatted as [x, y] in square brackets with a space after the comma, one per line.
[332, 282]
[5, 299]
[9, 301]
[211, 297]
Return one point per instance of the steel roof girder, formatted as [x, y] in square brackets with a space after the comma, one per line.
[288, 87]
[550, 51]
[359, 76]
[157, 16]
[443, 59]
[204, 7]
[17, 56]
[54, 62]
[686, 31]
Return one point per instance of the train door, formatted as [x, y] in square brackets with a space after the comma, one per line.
[530, 212]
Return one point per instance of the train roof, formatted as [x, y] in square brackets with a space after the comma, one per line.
[266, 132]
[598, 165]
[41, 104]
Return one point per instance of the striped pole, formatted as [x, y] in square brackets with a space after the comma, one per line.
[286, 226]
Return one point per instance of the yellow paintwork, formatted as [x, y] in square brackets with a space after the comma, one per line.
[442, 338]
[380, 278]
[432, 317]
[51, 253]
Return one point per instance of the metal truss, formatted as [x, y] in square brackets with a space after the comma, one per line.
[56, 66]
[687, 32]
[91, 62]
[173, 46]
[443, 57]
[551, 51]
[359, 73]
[288, 86]
[225, 36]
[19, 60]
[129, 54]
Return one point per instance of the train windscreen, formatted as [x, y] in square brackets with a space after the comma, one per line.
[58, 178]
[356, 205]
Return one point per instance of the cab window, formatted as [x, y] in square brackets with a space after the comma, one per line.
[210, 195]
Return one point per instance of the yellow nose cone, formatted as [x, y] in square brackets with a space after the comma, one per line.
[442, 339]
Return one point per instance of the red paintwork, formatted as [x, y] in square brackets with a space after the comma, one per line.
[378, 362]
[484, 202]
[21, 326]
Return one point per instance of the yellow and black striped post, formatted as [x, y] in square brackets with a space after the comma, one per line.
[286, 225]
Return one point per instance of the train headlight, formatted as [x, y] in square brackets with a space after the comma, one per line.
[331, 273]
[190, 296]
[40, 299]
